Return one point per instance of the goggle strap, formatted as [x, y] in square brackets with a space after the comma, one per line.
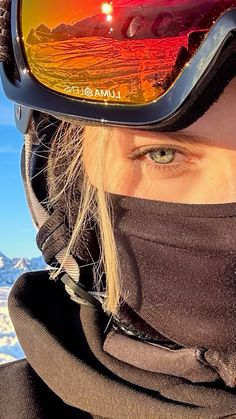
[5, 31]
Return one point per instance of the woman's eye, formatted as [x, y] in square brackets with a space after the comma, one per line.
[162, 155]
[169, 161]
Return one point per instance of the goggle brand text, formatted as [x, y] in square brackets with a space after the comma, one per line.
[87, 91]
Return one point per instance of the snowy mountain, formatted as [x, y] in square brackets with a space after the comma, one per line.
[10, 349]
[10, 269]
[155, 19]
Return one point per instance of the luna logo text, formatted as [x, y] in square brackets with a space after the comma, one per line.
[87, 91]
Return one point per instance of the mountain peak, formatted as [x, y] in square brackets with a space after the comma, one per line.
[22, 263]
[11, 269]
[3, 256]
[43, 28]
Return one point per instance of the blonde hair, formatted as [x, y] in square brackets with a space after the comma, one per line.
[65, 168]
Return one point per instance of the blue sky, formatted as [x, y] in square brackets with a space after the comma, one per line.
[17, 232]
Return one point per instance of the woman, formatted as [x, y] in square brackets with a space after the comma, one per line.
[137, 225]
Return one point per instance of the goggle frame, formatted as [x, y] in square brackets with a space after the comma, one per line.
[29, 93]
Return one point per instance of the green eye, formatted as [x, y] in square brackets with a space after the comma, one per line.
[162, 155]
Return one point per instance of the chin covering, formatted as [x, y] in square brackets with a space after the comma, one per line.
[178, 273]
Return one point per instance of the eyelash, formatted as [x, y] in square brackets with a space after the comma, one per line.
[165, 167]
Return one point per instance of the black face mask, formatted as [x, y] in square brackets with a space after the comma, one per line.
[178, 269]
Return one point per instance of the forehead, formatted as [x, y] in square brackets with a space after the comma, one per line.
[217, 127]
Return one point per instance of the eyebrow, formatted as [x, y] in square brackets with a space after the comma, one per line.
[188, 138]
[182, 137]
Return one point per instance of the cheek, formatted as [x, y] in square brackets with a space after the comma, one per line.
[117, 171]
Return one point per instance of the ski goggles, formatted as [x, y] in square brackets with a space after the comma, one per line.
[147, 64]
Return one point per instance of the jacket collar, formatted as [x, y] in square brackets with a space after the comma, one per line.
[63, 343]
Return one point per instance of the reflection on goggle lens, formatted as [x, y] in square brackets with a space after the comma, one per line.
[120, 51]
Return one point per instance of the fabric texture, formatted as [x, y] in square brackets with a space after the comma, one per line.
[23, 395]
[63, 344]
[178, 273]
[182, 362]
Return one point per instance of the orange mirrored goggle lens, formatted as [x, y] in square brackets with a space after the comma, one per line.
[120, 51]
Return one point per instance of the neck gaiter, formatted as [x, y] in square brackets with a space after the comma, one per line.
[178, 269]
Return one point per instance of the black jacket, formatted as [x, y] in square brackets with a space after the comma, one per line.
[67, 373]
